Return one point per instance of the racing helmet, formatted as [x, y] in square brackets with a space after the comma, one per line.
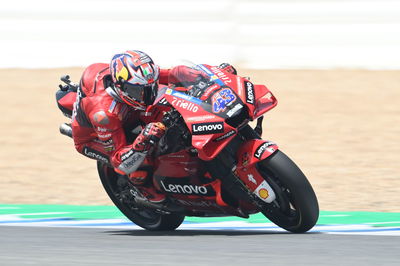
[135, 78]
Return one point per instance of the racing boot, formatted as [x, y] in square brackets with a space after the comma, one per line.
[152, 194]
[139, 178]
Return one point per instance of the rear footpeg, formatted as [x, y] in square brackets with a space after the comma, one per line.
[165, 208]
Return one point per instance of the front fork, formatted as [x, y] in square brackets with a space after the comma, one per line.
[249, 154]
[236, 166]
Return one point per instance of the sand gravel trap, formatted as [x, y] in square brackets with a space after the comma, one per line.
[342, 127]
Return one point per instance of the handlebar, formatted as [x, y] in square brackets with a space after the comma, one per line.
[65, 79]
[70, 85]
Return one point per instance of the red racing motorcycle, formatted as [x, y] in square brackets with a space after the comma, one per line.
[211, 162]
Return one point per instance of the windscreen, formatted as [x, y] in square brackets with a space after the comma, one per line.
[216, 89]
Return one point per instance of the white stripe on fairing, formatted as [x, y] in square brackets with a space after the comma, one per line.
[246, 33]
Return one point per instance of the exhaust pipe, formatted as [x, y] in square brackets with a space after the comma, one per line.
[66, 129]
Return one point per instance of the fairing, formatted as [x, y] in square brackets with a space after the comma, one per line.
[216, 106]
[213, 109]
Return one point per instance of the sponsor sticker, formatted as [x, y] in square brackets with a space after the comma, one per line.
[198, 203]
[262, 148]
[188, 189]
[109, 148]
[185, 97]
[239, 84]
[207, 128]
[225, 136]
[249, 89]
[234, 110]
[126, 155]
[104, 136]
[131, 161]
[105, 142]
[209, 90]
[91, 153]
[200, 118]
[187, 105]
[265, 192]
[102, 129]
[221, 75]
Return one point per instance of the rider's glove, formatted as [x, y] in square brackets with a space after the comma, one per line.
[228, 68]
[150, 135]
[181, 74]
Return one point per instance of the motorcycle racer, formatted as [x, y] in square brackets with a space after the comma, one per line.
[111, 100]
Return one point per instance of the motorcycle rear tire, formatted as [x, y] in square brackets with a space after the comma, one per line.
[302, 210]
[148, 219]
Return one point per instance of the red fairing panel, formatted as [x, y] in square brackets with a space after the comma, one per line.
[179, 164]
[265, 101]
[255, 150]
[68, 100]
[209, 146]
[249, 154]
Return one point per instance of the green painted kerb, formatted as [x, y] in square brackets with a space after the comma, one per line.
[62, 211]
[110, 212]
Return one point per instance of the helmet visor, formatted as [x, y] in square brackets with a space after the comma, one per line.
[140, 93]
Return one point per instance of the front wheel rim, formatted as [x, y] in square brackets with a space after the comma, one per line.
[283, 207]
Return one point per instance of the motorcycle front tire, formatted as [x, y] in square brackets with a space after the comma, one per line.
[296, 206]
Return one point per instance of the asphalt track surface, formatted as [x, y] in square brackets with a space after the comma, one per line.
[21, 245]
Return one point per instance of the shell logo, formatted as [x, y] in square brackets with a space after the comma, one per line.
[263, 193]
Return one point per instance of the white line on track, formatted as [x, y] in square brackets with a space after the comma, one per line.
[353, 229]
